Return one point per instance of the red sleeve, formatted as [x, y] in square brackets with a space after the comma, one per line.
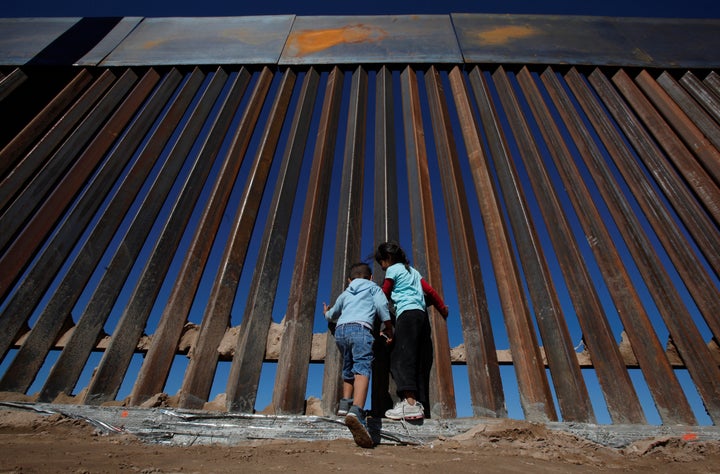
[432, 296]
[387, 287]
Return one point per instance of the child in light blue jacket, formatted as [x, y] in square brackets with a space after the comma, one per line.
[354, 312]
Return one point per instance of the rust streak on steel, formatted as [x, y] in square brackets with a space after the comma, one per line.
[49, 324]
[385, 223]
[12, 152]
[244, 377]
[697, 221]
[216, 316]
[536, 398]
[703, 93]
[694, 139]
[293, 363]
[672, 404]
[158, 360]
[700, 182]
[622, 402]
[67, 369]
[425, 247]
[37, 190]
[49, 212]
[693, 272]
[109, 374]
[687, 103]
[573, 398]
[44, 268]
[349, 228]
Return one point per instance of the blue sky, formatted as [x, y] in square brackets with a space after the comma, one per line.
[644, 8]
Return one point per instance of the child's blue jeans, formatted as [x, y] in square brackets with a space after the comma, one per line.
[355, 343]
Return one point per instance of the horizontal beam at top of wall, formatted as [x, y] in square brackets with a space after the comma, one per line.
[287, 39]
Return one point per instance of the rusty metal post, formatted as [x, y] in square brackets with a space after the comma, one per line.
[244, 377]
[622, 402]
[349, 228]
[293, 363]
[425, 246]
[672, 404]
[572, 395]
[216, 316]
[703, 92]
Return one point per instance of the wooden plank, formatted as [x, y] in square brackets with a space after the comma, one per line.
[244, 377]
[293, 363]
[67, 369]
[156, 366]
[672, 404]
[572, 395]
[216, 316]
[622, 402]
[349, 228]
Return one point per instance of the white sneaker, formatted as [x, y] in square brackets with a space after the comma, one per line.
[404, 411]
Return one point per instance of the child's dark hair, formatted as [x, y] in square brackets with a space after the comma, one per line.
[360, 270]
[393, 252]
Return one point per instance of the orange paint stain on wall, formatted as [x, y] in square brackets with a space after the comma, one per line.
[311, 41]
[506, 34]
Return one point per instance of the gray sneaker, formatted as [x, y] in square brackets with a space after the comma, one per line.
[404, 411]
[355, 421]
[344, 406]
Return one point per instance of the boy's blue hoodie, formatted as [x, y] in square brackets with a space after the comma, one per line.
[359, 303]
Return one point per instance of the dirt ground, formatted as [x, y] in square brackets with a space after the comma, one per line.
[33, 442]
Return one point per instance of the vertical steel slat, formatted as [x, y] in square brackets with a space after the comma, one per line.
[293, 363]
[536, 399]
[697, 178]
[483, 368]
[649, 352]
[12, 152]
[694, 139]
[67, 369]
[27, 200]
[441, 392]
[158, 360]
[109, 375]
[712, 80]
[702, 120]
[572, 395]
[622, 402]
[697, 221]
[349, 228]
[48, 325]
[34, 160]
[45, 267]
[11, 82]
[676, 316]
[216, 316]
[45, 218]
[244, 376]
[703, 93]
[693, 272]
[385, 223]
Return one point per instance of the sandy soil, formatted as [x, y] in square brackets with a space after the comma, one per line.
[32, 442]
